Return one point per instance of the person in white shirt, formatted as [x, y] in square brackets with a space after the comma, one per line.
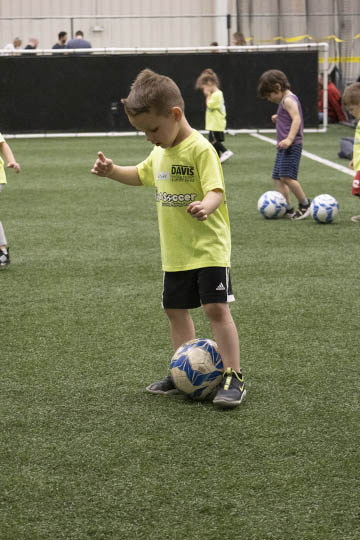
[11, 48]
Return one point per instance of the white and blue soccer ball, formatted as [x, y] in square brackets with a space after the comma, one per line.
[196, 368]
[324, 208]
[272, 204]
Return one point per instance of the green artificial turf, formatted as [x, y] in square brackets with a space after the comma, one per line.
[85, 453]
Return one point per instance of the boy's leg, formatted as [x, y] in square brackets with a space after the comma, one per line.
[304, 203]
[232, 389]
[181, 326]
[286, 168]
[282, 187]
[4, 252]
[181, 330]
[180, 293]
[295, 188]
[225, 334]
[3, 242]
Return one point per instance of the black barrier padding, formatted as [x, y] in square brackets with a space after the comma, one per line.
[81, 93]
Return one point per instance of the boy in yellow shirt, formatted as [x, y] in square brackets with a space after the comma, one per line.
[6, 152]
[351, 101]
[215, 116]
[193, 222]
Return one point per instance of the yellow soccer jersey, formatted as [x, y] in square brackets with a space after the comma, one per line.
[215, 116]
[2, 170]
[183, 174]
[356, 153]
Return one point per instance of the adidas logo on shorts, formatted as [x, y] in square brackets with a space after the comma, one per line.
[220, 287]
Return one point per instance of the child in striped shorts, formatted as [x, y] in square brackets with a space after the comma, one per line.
[274, 86]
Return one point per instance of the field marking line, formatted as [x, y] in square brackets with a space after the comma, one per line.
[323, 161]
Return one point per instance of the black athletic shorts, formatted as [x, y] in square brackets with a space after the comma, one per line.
[192, 288]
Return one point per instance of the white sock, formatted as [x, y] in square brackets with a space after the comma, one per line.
[3, 241]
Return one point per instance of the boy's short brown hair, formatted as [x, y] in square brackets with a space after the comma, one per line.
[151, 92]
[351, 95]
[269, 80]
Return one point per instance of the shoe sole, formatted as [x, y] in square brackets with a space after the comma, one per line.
[162, 392]
[229, 404]
[303, 216]
[355, 219]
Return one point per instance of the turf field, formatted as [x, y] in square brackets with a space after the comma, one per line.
[85, 452]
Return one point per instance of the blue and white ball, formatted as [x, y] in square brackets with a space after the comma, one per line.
[272, 204]
[324, 208]
[196, 368]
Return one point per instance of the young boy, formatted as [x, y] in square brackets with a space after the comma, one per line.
[274, 86]
[193, 221]
[215, 116]
[6, 152]
[351, 101]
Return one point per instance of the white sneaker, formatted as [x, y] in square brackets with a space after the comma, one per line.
[226, 155]
[355, 219]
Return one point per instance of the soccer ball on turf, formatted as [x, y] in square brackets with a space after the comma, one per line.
[272, 204]
[324, 208]
[196, 368]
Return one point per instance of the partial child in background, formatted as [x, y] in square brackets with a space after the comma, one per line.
[274, 86]
[351, 101]
[193, 221]
[335, 112]
[215, 116]
[6, 152]
[238, 39]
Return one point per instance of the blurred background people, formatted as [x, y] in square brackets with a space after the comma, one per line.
[32, 44]
[238, 39]
[78, 42]
[61, 42]
[11, 48]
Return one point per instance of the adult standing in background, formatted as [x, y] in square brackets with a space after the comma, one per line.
[61, 42]
[78, 42]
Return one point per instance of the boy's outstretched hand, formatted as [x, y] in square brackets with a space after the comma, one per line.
[14, 165]
[103, 166]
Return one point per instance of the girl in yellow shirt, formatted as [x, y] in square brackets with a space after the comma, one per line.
[215, 116]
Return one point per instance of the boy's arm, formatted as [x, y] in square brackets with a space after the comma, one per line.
[104, 166]
[292, 108]
[9, 156]
[202, 209]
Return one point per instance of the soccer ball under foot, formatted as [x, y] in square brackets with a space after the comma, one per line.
[196, 368]
[272, 204]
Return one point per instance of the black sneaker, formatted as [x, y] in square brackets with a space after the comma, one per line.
[303, 211]
[4, 258]
[290, 213]
[231, 391]
[165, 386]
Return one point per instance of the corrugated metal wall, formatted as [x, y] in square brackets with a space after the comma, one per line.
[191, 23]
[147, 25]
